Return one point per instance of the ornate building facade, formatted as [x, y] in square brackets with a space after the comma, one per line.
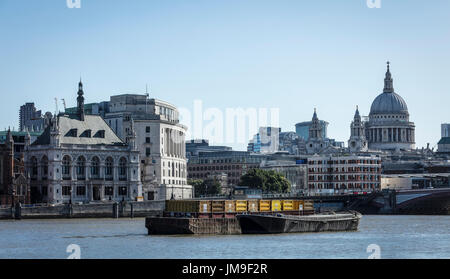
[79, 158]
[317, 143]
[357, 141]
[389, 127]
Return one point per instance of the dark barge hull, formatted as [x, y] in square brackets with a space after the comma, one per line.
[273, 224]
[176, 225]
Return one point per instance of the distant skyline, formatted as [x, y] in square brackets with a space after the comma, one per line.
[292, 55]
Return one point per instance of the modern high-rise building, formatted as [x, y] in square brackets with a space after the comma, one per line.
[31, 119]
[266, 141]
[194, 147]
[161, 142]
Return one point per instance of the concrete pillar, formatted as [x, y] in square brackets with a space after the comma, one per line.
[18, 211]
[115, 210]
[73, 172]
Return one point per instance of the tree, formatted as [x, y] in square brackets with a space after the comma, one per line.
[266, 180]
[198, 185]
[210, 186]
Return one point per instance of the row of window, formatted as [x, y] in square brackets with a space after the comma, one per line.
[343, 177]
[335, 162]
[81, 191]
[80, 166]
[204, 168]
[351, 169]
[224, 161]
[343, 186]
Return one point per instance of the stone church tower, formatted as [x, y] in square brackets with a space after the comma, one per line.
[315, 143]
[357, 141]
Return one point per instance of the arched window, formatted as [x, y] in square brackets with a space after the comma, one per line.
[81, 168]
[123, 169]
[34, 168]
[95, 167]
[109, 167]
[44, 166]
[66, 162]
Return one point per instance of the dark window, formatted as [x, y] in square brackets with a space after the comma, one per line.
[81, 168]
[95, 167]
[86, 134]
[72, 133]
[123, 169]
[109, 168]
[122, 191]
[147, 129]
[66, 168]
[81, 191]
[109, 191]
[100, 134]
[66, 190]
[151, 196]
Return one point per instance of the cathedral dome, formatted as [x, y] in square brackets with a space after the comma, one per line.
[389, 103]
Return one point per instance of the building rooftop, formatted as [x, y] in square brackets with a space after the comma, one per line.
[445, 140]
[92, 131]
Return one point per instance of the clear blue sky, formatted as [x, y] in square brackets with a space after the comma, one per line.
[295, 55]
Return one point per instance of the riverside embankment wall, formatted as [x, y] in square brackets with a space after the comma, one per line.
[105, 210]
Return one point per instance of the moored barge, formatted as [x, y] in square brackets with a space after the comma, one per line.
[246, 216]
[282, 223]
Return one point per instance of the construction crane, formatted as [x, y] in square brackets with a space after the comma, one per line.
[64, 104]
[56, 106]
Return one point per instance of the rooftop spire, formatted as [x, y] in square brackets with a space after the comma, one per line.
[80, 101]
[357, 115]
[315, 114]
[388, 81]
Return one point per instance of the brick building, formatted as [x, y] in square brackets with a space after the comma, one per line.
[14, 186]
[340, 174]
[232, 163]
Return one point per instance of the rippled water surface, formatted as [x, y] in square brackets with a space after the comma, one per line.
[397, 237]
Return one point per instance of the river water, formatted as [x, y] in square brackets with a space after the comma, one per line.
[403, 237]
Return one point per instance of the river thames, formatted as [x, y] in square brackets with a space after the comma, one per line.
[394, 237]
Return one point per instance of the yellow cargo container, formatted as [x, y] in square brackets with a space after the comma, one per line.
[264, 205]
[298, 205]
[253, 206]
[241, 206]
[276, 205]
[288, 205]
[205, 207]
[218, 206]
[230, 206]
[309, 205]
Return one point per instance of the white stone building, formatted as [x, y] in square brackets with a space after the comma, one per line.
[389, 127]
[79, 158]
[161, 142]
